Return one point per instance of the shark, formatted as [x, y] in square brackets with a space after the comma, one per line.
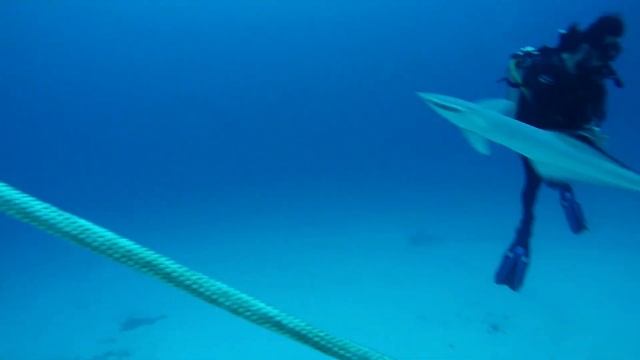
[556, 156]
[132, 323]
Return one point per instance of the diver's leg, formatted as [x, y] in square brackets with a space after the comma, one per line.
[514, 263]
[528, 200]
[572, 209]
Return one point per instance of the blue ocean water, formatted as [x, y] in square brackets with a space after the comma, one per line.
[280, 147]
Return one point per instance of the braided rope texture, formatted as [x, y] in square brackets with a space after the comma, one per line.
[65, 225]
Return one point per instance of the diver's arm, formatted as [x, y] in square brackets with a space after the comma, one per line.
[514, 78]
[597, 114]
[523, 72]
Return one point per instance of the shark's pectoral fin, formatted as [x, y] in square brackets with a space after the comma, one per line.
[501, 106]
[479, 143]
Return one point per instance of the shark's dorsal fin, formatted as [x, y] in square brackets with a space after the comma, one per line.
[479, 143]
[501, 106]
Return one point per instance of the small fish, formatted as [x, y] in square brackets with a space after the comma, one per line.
[133, 323]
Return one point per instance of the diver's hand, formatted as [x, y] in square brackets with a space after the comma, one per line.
[595, 134]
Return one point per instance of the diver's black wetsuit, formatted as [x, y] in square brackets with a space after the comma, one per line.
[557, 95]
[555, 99]
[552, 98]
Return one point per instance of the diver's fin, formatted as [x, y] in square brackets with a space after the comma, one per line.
[513, 267]
[573, 212]
[479, 143]
[501, 106]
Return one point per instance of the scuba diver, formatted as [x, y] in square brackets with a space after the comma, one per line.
[562, 89]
